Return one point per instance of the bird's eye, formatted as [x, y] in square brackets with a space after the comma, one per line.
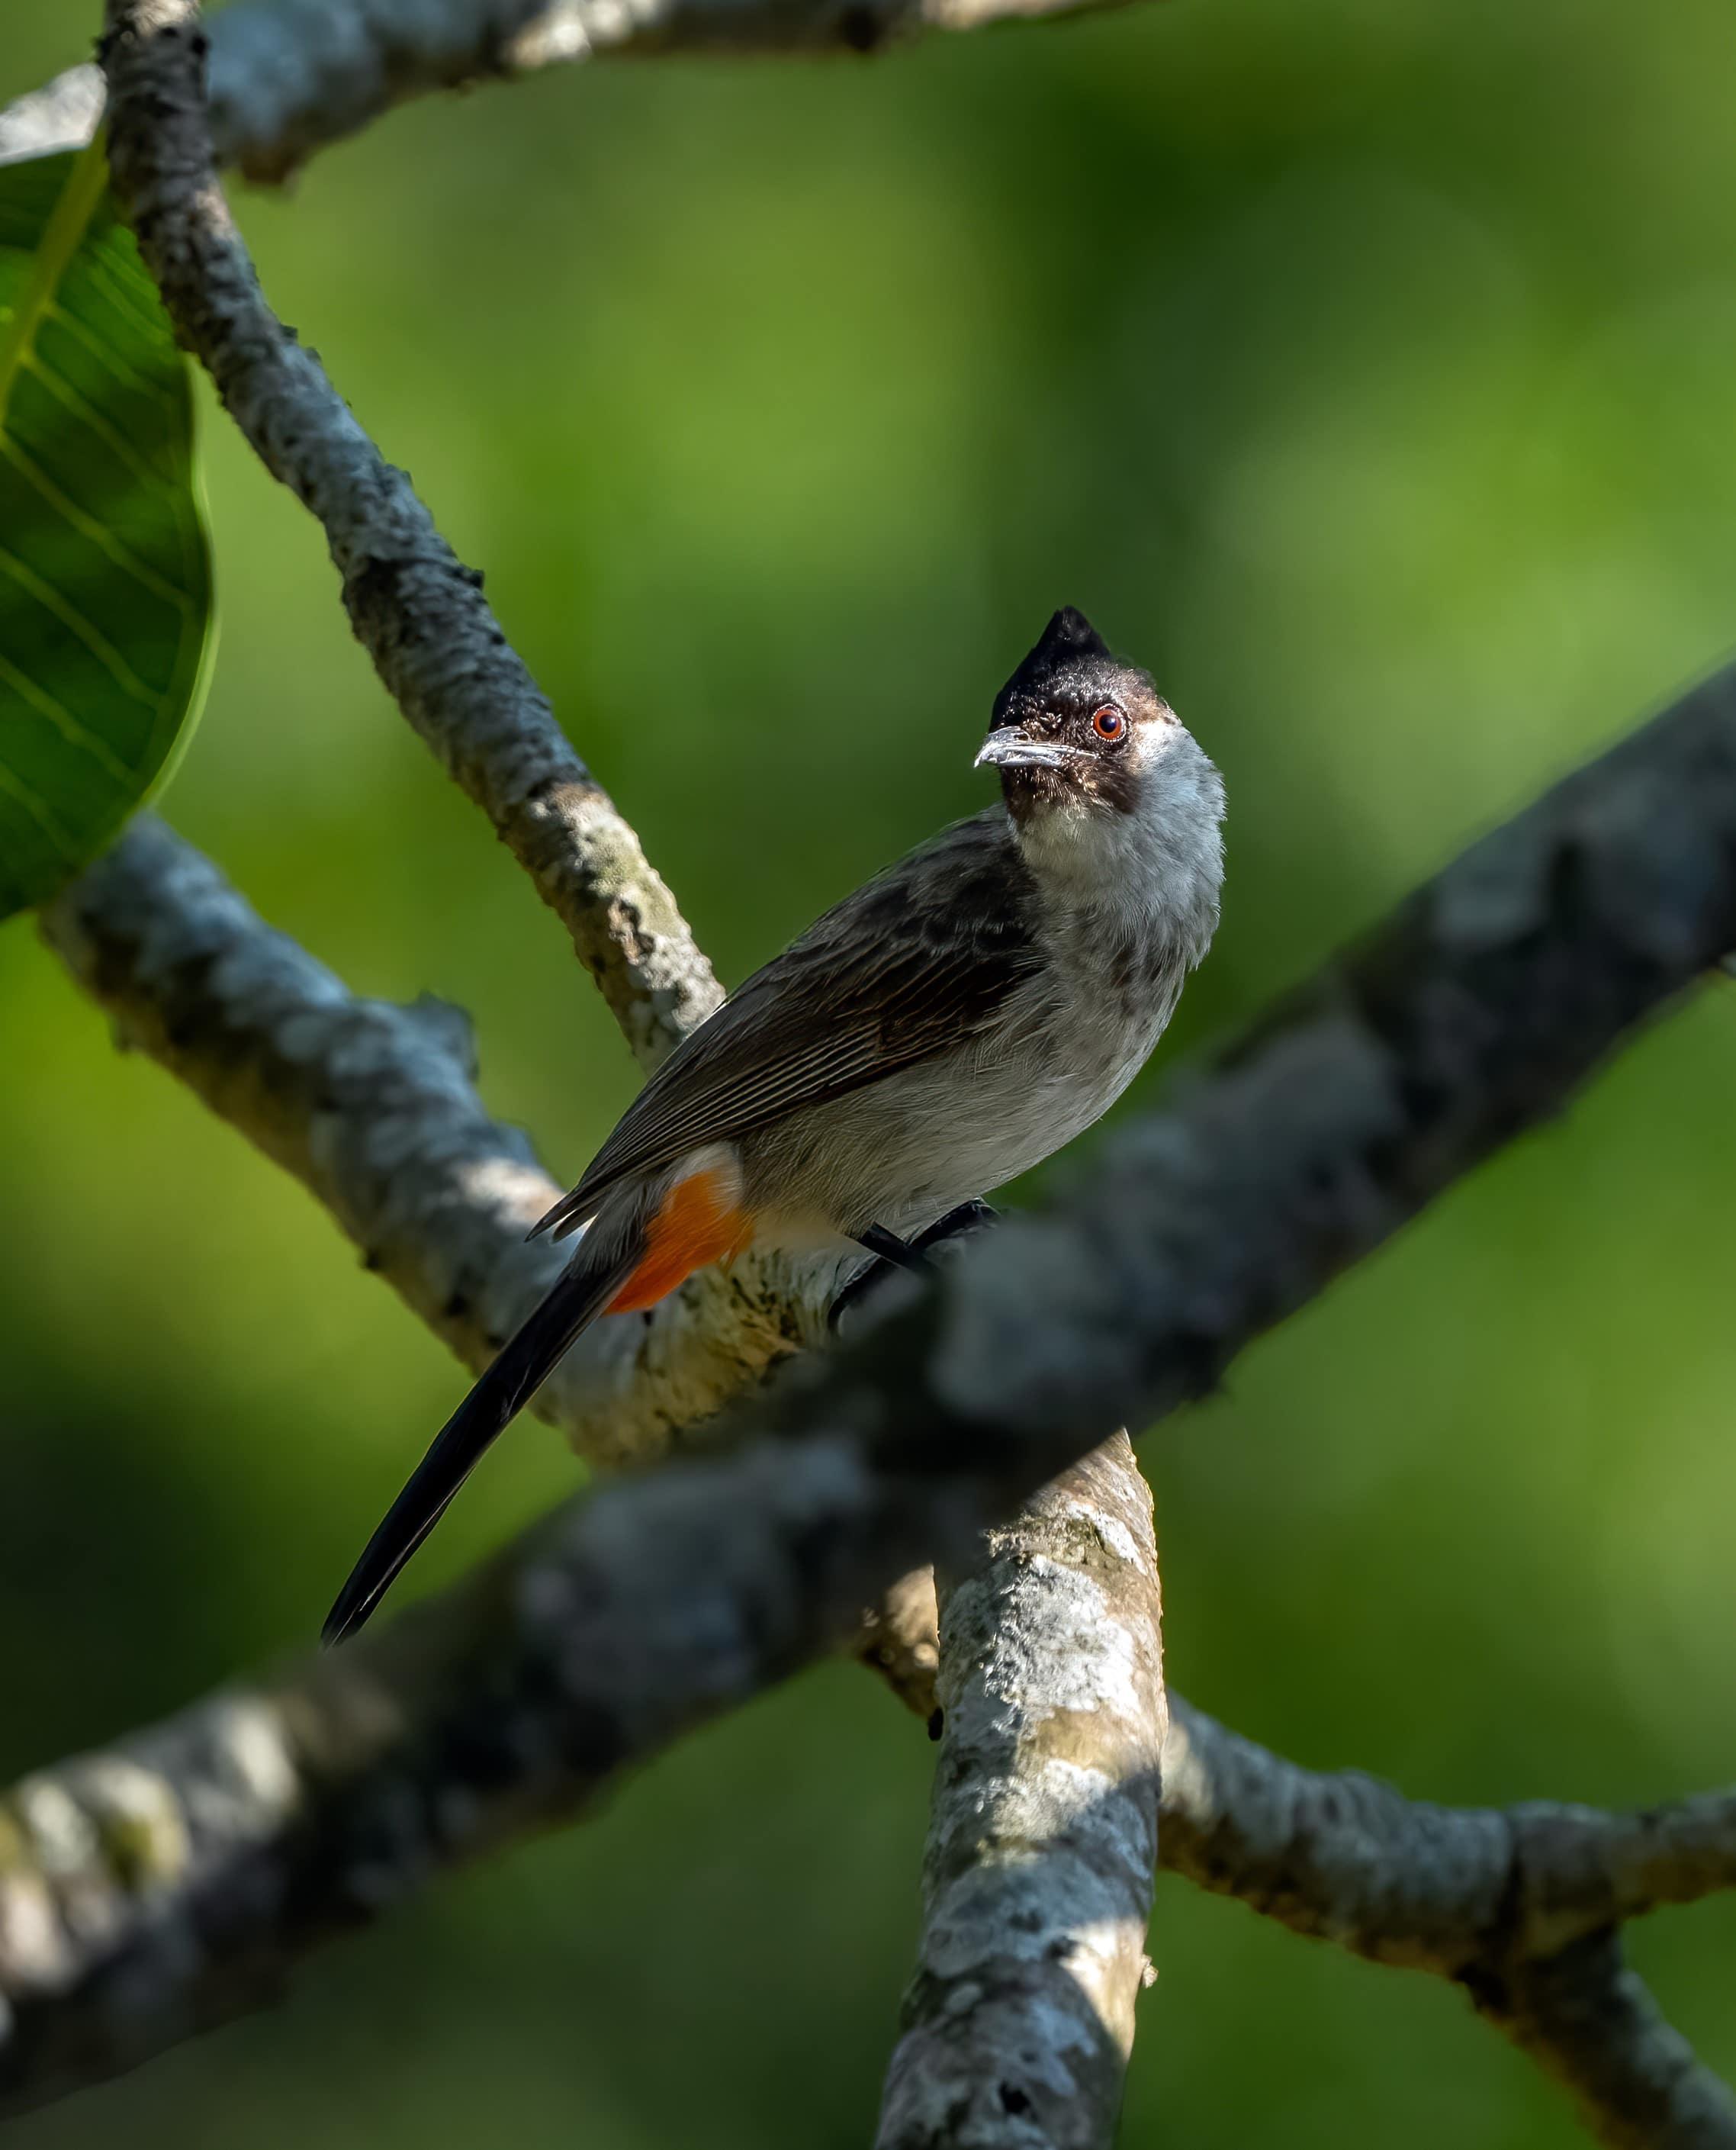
[1109, 724]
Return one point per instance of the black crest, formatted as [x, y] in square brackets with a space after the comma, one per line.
[1070, 650]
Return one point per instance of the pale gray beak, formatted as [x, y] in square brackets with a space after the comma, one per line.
[1011, 747]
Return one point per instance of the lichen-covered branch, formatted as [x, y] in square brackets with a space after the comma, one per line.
[1521, 1907]
[349, 1095]
[1590, 2022]
[1467, 1018]
[1339, 1855]
[1043, 1840]
[141, 1892]
[418, 612]
[372, 1108]
[289, 76]
[898, 1641]
[168, 1883]
[1006, 2043]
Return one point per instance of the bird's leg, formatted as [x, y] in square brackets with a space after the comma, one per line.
[890, 1252]
[888, 1247]
[957, 1224]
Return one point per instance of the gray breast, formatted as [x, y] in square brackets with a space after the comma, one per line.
[1141, 974]
[1121, 908]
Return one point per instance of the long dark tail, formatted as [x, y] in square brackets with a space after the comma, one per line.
[524, 1364]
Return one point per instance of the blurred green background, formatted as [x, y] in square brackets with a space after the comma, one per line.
[1365, 367]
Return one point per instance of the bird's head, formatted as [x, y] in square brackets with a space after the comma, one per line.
[1076, 728]
[1107, 787]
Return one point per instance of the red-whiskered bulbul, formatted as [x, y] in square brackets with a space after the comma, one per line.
[947, 1027]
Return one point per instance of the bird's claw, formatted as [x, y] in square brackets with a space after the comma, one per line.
[956, 1226]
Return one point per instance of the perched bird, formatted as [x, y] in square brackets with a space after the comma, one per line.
[951, 1024]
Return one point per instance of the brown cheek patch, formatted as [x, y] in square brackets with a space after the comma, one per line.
[1115, 781]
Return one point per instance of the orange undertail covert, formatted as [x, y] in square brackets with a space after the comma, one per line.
[699, 1223]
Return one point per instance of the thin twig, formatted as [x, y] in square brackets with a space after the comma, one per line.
[1338, 1855]
[291, 76]
[1590, 2022]
[417, 611]
[898, 1641]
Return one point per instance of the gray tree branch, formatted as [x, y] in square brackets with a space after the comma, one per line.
[1044, 1838]
[1404, 1082]
[168, 1883]
[1005, 2041]
[372, 1108]
[899, 1643]
[1588, 2022]
[289, 76]
[1340, 1857]
[1468, 1016]
[407, 597]
[1521, 1908]
[417, 611]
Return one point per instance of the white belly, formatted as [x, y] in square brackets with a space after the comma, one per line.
[903, 1151]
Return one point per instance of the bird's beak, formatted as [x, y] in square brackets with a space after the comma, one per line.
[1011, 747]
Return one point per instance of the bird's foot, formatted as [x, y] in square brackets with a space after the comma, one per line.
[892, 1253]
[957, 1224]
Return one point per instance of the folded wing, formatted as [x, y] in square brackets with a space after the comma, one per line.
[913, 964]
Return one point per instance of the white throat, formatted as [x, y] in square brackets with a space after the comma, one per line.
[1157, 869]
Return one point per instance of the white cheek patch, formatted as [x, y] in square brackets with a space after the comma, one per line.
[1162, 855]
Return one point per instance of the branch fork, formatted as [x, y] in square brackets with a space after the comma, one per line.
[135, 1885]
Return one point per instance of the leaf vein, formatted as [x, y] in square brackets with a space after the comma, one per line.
[120, 294]
[115, 549]
[94, 640]
[121, 369]
[110, 435]
[71, 728]
[15, 788]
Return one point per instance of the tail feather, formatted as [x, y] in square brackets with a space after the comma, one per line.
[525, 1362]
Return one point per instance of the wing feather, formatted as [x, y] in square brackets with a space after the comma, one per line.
[916, 962]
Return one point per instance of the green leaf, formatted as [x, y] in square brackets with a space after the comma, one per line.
[105, 573]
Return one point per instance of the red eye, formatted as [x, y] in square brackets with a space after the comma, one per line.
[1108, 723]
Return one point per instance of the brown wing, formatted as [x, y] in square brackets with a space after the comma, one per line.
[914, 962]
